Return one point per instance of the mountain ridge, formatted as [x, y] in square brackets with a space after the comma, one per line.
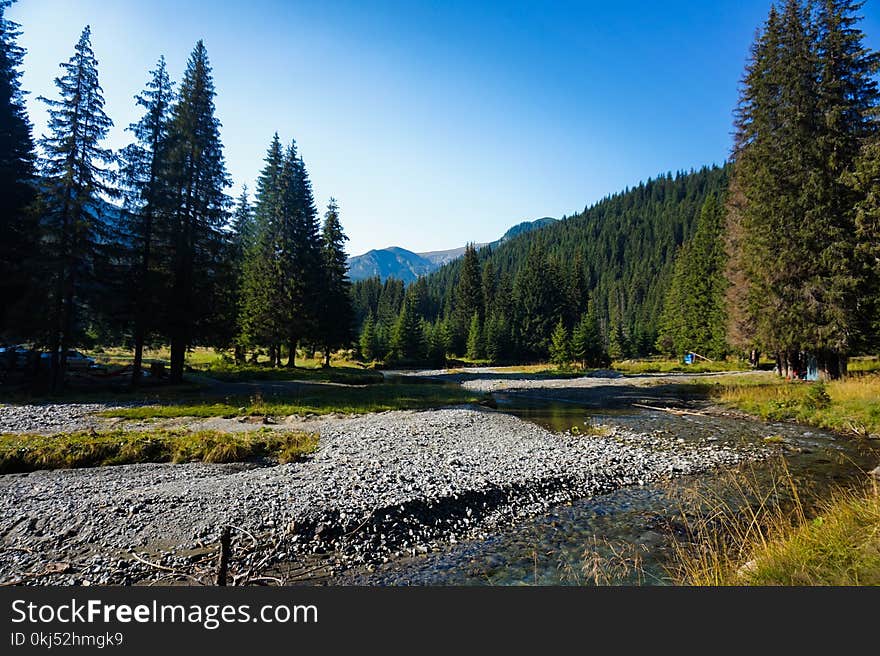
[407, 265]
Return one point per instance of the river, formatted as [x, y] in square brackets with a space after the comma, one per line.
[619, 538]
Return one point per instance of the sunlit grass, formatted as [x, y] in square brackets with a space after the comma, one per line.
[652, 366]
[744, 532]
[317, 400]
[840, 546]
[865, 364]
[850, 405]
[22, 453]
[202, 358]
[229, 372]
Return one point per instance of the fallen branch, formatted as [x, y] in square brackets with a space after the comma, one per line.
[157, 565]
[672, 411]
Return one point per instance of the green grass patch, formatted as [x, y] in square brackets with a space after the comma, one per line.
[864, 364]
[840, 546]
[850, 406]
[317, 400]
[345, 375]
[746, 529]
[652, 366]
[22, 453]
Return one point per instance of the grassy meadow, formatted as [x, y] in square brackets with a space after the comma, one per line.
[29, 452]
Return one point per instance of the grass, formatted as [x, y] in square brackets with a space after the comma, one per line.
[197, 357]
[23, 453]
[765, 535]
[318, 401]
[841, 546]
[851, 405]
[864, 364]
[652, 366]
[202, 358]
[228, 372]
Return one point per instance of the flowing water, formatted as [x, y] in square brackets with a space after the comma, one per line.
[588, 540]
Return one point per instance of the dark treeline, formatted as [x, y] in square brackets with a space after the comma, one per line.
[144, 246]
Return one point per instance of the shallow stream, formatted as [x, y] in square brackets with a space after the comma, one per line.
[591, 540]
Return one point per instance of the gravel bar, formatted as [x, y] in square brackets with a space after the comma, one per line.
[379, 486]
[51, 418]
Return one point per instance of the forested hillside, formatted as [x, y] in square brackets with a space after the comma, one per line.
[615, 258]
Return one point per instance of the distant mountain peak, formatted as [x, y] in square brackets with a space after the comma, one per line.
[397, 262]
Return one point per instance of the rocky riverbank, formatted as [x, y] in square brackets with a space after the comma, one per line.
[49, 418]
[379, 486]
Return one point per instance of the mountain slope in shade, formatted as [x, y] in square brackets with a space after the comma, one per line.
[396, 262]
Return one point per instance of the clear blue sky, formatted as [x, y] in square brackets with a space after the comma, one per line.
[434, 123]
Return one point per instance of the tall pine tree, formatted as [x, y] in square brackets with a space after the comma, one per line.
[143, 168]
[468, 299]
[194, 241]
[17, 191]
[694, 317]
[805, 106]
[260, 316]
[76, 177]
[243, 232]
[336, 315]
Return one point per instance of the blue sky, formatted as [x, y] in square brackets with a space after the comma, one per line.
[433, 123]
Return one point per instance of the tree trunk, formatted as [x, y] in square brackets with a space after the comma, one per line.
[138, 356]
[755, 358]
[326, 357]
[239, 354]
[832, 365]
[178, 354]
[291, 355]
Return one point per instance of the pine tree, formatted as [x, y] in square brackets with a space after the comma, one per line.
[197, 179]
[17, 220]
[75, 177]
[368, 343]
[560, 346]
[673, 339]
[586, 341]
[260, 317]
[694, 317]
[618, 344]
[803, 112]
[475, 344]
[538, 304]
[497, 338]
[468, 298]
[437, 343]
[865, 180]
[406, 340]
[848, 101]
[243, 234]
[143, 164]
[490, 287]
[336, 318]
[300, 253]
